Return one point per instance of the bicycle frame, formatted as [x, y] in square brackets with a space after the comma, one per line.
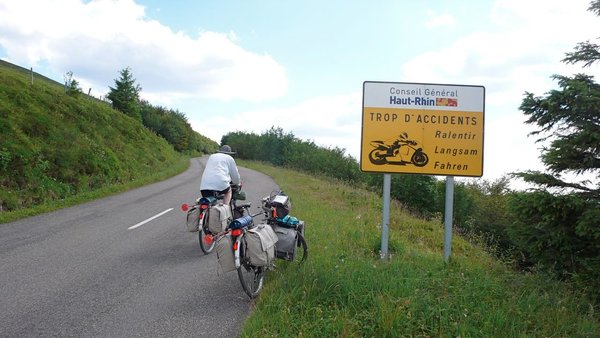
[237, 235]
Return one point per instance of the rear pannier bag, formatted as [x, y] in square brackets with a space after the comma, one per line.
[260, 245]
[287, 239]
[192, 220]
[219, 217]
[224, 248]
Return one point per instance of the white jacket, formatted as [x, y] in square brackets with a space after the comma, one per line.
[219, 171]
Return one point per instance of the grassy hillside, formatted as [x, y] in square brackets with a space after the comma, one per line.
[344, 289]
[54, 146]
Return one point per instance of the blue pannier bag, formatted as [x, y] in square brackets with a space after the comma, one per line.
[288, 221]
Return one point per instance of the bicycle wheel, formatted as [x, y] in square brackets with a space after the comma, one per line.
[302, 250]
[206, 239]
[251, 277]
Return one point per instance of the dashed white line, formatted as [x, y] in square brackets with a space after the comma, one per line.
[149, 219]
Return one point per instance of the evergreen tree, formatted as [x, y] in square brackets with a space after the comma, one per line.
[570, 120]
[125, 95]
[558, 225]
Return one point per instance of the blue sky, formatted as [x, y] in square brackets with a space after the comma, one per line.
[300, 65]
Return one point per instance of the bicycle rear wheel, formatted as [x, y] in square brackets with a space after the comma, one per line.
[251, 277]
[206, 239]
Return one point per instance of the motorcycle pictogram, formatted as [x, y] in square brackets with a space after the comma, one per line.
[401, 152]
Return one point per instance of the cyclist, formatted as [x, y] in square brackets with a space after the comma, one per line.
[219, 174]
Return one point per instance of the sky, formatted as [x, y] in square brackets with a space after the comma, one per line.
[300, 65]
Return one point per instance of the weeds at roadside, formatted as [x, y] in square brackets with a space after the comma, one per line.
[344, 289]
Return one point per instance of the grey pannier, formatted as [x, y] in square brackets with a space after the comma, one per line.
[224, 248]
[192, 220]
[287, 240]
[260, 245]
[219, 217]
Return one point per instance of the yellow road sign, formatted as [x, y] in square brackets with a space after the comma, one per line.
[433, 129]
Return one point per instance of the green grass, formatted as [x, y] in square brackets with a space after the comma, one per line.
[344, 289]
[179, 166]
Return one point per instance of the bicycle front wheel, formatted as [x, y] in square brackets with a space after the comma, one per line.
[251, 277]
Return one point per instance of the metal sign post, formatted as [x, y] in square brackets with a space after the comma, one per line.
[448, 217]
[385, 224]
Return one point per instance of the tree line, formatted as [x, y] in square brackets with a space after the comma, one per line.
[479, 206]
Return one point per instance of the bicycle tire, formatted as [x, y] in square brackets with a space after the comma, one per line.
[251, 277]
[206, 247]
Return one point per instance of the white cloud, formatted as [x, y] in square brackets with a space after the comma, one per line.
[439, 20]
[97, 39]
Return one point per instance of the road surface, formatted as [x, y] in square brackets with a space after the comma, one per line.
[121, 266]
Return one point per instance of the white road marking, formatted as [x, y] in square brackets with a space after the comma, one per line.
[149, 219]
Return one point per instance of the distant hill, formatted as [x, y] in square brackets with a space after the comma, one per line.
[54, 145]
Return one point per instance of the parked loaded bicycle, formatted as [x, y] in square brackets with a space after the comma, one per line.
[291, 244]
[208, 216]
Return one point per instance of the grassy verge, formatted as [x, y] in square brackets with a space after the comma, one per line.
[345, 290]
[179, 166]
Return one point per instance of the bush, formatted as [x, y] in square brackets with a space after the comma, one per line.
[559, 233]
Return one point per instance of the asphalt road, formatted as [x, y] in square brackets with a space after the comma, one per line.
[101, 269]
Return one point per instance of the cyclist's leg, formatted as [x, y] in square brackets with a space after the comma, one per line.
[227, 193]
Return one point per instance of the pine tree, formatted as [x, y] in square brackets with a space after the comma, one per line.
[558, 224]
[125, 95]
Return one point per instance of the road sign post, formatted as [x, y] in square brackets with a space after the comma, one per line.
[448, 217]
[385, 223]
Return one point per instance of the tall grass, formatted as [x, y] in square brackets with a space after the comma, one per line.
[344, 289]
